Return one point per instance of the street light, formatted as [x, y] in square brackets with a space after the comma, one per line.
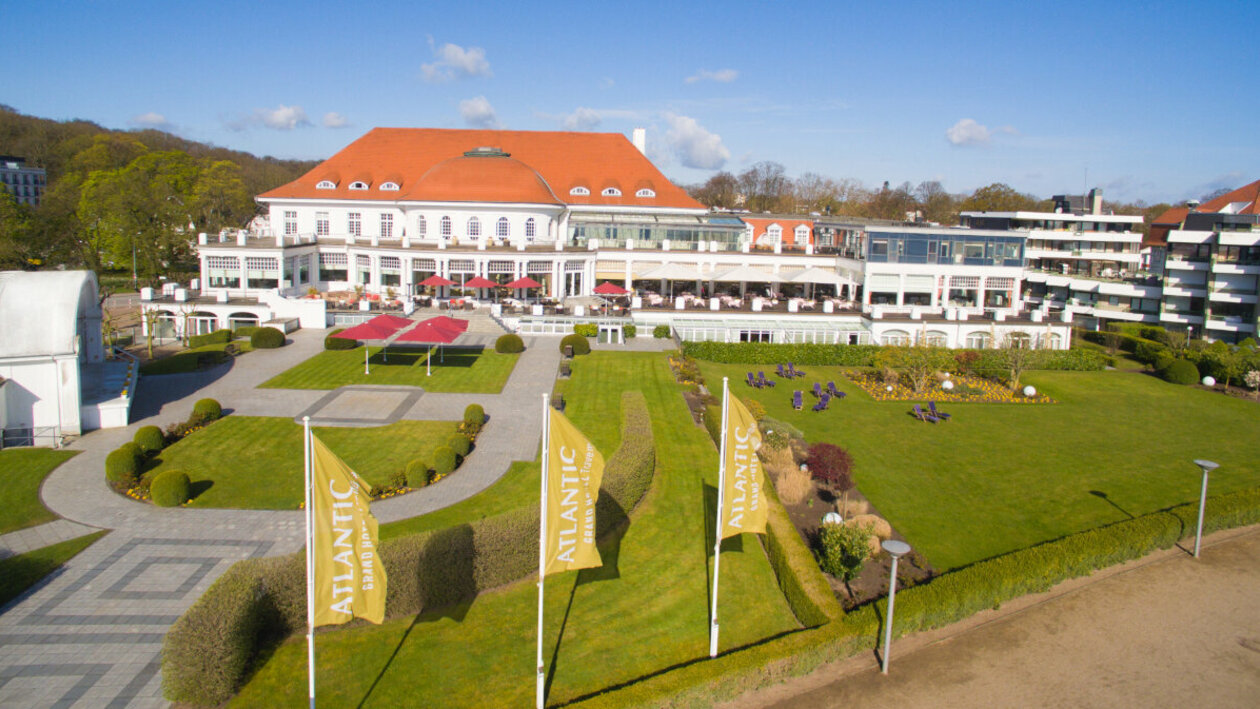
[1207, 466]
[897, 550]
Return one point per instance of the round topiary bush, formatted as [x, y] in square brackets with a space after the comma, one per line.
[443, 460]
[460, 444]
[418, 474]
[579, 344]
[338, 343]
[509, 344]
[170, 488]
[120, 468]
[474, 417]
[629, 331]
[1181, 372]
[149, 439]
[134, 451]
[660, 332]
[207, 410]
[266, 338]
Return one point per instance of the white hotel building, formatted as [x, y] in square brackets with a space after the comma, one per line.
[571, 210]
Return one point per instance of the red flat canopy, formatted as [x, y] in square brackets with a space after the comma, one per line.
[367, 331]
[430, 333]
[480, 282]
[391, 321]
[610, 288]
[436, 280]
[526, 282]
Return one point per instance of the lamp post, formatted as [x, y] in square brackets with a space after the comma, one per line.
[897, 550]
[1207, 466]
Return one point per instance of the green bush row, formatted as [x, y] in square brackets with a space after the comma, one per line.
[244, 332]
[218, 337]
[258, 602]
[586, 329]
[579, 343]
[266, 338]
[807, 593]
[661, 332]
[988, 360]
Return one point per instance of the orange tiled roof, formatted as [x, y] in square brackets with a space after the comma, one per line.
[760, 224]
[1247, 193]
[1175, 215]
[562, 160]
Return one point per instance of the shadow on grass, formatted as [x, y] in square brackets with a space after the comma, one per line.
[198, 487]
[1103, 496]
[396, 358]
[161, 389]
[733, 544]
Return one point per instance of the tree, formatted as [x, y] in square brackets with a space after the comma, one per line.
[888, 203]
[918, 363]
[998, 197]
[219, 197]
[938, 205]
[15, 233]
[765, 187]
[1016, 356]
[843, 551]
[832, 466]
[720, 191]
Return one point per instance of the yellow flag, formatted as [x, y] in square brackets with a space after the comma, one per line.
[743, 499]
[349, 578]
[574, 471]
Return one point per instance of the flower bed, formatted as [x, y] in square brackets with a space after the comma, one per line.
[967, 387]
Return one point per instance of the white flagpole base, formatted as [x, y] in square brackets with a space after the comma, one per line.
[713, 639]
[542, 684]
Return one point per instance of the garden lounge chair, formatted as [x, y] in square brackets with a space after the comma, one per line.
[822, 403]
[752, 381]
[791, 368]
[818, 392]
[919, 414]
[831, 388]
[938, 414]
[797, 400]
[761, 377]
[782, 374]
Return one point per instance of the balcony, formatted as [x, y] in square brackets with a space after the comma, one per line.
[1180, 318]
[1236, 267]
[1232, 296]
[1185, 264]
[1230, 324]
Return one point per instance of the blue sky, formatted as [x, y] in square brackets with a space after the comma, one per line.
[1151, 100]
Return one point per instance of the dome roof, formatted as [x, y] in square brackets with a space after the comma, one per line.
[40, 311]
[489, 177]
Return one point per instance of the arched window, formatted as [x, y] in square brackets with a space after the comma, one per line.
[1054, 341]
[529, 229]
[896, 337]
[774, 233]
[501, 229]
[645, 192]
[422, 227]
[979, 341]
[358, 185]
[446, 226]
[389, 186]
[1019, 340]
[474, 228]
[326, 185]
[579, 191]
[611, 192]
[935, 338]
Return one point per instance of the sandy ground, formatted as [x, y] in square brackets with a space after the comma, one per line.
[1160, 632]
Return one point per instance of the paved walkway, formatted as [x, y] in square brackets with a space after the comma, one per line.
[91, 634]
[32, 538]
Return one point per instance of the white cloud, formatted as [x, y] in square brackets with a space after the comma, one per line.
[151, 120]
[607, 82]
[455, 62]
[282, 117]
[582, 119]
[332, 119]
[968, 132]
[478, 113]
[724, 76]
[695, 146]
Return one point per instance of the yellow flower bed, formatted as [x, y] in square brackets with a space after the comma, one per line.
[973, 389]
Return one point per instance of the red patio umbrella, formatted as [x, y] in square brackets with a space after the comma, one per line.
[448, 323]
[525, 282]
[480, 282]
[392, 321]
[436, 280]
[370, 330]
[610, 288]
[431, 333]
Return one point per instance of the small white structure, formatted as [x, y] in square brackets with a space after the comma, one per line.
[57, 381]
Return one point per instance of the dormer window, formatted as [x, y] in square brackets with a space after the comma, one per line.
[389, 186]
[358, 185]
[611, 192]
[326, 185]
[579, 192]
[645, 192]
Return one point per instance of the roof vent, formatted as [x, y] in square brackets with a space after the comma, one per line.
[1192, 204]
[486, 152]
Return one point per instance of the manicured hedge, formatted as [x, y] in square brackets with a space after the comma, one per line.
[218, 337]
[444, 460]
[339, 343]
[1181, 372]
[661, 332]
[266, 338]
[122, 469]
[417, 473]
[460, 444]
[586, 329]
[170, 488]
[863, 356]
[579, 344]
[149, 439]
[629, 331]
[207, 410]
[807, 593]
[510, 343]
[258, 602]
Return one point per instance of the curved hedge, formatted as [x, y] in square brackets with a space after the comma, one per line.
[444, 460]
[218, 337]
[417, 473]
[338, 343]
[122, 469]
[266, 338]
[460, 444]
[510, 343]
[149, 439]
[170, 488]
[989, 360]
[258, 602]
[207, 409]
[579, 344]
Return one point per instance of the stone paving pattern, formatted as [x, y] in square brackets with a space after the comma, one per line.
[91, 634]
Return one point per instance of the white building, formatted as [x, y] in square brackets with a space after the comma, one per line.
[24, 182]
[56, 379]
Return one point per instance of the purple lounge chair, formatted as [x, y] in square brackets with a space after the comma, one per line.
[782, 373]
[818, 392]
[938, 414]
[761, 379]
[922, 416]
[752, 382]
[797, 400]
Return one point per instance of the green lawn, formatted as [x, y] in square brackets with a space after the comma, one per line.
[20, 572]
[1000, 477]
[22, 471]
[186, 360]
[646, 611]
[519, 483]
[253, 462]
[465, 370]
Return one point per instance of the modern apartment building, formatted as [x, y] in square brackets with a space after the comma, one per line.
[24, 182]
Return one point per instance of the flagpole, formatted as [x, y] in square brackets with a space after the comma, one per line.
[310, 565]
[717, 534]
[542, 548]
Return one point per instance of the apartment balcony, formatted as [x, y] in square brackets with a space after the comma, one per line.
[1185, 291]
[1226, 296]
[1236, 268]
[1183, 264]
[1180, 318]
[1230, 324]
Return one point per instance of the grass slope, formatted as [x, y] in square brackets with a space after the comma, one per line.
[645, 612]
[1000, 477]
[466, 370]
[254, 462]
[22, 471]
[20, 572]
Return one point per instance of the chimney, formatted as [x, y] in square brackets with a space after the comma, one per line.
[1094, 201]
[640, 140]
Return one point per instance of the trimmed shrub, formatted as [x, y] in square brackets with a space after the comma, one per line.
[418, 474]
[218, 337]
[474, 418]
[149, 439]
[510, 343]
[768, 424]
[586, 329]
[629, 331]
[266, 338]
[628, 472]
[842, 550]
[444, 461]
[1148, 352]
[987, 362]
[170, 488]
[460, 444]
[121, 468]
[207, 410]
[338, 343]
[244, 331]
[661, 332]
[579, 344]
[1181, 372]
[134, 451]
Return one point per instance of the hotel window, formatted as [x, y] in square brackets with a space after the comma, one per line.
[474, 228]
[326, 185]
[355, 224]
[389, 187]
[529, 229]
[387, 226]
[358, 185]
[446, 226]
[611, 192]
[645, 193]
[898, 338]
[979, 341]
[422, 228]
[223, 271]
[501, 228]
[579, 191]
[290, 223]
[363, 267]
[775, 233]
[391, 270]
[262, 272]
[321, 223]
